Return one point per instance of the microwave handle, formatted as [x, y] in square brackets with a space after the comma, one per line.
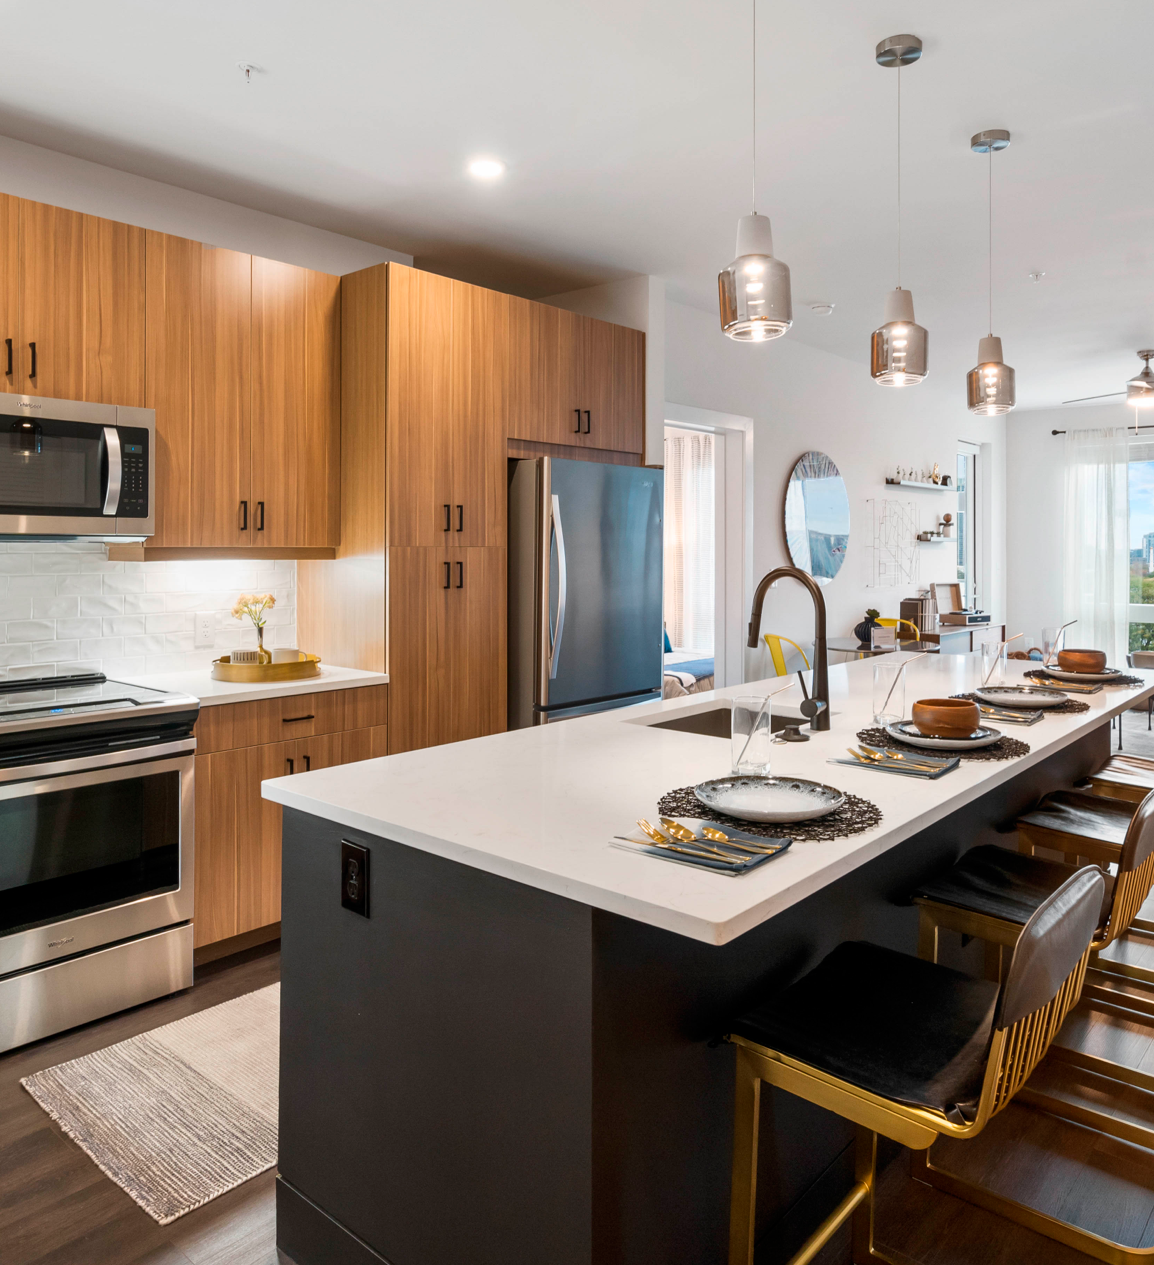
[115, 469]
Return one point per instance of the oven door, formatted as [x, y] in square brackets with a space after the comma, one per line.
[93, 855]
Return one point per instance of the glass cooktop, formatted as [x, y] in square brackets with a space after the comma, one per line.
[74, 696]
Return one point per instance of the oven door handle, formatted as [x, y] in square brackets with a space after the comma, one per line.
[115, 469]
[94, 768]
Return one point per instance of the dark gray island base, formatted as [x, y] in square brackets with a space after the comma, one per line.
[485, 1073]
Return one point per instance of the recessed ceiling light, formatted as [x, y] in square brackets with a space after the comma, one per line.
[486, 168]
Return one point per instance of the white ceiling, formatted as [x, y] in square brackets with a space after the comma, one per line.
[625, 126]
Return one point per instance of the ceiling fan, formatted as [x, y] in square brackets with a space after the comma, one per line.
[1139, 390]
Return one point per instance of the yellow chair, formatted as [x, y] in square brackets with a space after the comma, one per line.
[773, 641]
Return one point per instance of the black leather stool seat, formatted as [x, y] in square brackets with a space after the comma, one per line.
[893, 1025]
[1091, 816]
[1000, 883]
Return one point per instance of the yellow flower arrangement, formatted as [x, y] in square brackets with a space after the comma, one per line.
[254, 606]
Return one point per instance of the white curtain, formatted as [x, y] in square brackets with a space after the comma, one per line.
[689, 543]
[1096, 554]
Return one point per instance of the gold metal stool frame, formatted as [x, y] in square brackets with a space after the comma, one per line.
[1014, 1053]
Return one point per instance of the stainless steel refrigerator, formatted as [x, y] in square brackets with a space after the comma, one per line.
[585, 623]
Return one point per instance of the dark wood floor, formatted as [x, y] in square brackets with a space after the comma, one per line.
[57, 1208]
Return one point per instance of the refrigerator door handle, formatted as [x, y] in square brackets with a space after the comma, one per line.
[562, 588]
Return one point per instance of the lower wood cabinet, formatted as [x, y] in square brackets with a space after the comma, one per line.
[238, 834]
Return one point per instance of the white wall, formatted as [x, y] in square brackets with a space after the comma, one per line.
[801, 398]
[27, 171]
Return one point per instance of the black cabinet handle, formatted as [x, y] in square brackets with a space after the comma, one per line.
[448, 518]
[288, 761]
[260, 511]
[460, 575]
[8, 344]
[244, 516]
[308, 763]
[460, 518]
[292, 720]
[32, 371]
[448, 575]
[586, 421]
[577, 428]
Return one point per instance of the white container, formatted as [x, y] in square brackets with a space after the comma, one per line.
[285, 656]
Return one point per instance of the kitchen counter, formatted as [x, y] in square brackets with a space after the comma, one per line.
[211, 692]
[540, 806]
[515, 1049]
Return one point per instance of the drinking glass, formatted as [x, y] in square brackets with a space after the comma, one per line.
[1050, 639]
[751, 730]
[889, 683]
[993, 662]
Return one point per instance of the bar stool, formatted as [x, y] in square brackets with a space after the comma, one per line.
[905, 1048]
[1128, 777]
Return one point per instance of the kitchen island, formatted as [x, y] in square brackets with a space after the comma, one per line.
[511, 1058]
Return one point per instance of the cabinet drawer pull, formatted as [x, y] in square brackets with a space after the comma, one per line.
[260, 512]
[586, 421]
[308, 763]
[244, 516]
[577, 428]
[8, 344]
[288, 761]
[448, 518]
[32, 371]
[460, 518]
[460, 575]
[448, 574]
[292, 720]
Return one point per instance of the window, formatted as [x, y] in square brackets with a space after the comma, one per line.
[1141, 504]
[690, 547]
[966, 516]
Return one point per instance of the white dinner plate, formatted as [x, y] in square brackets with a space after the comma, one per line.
[769, 798]
[907, 731]
[1021, 696]
[1106, 675]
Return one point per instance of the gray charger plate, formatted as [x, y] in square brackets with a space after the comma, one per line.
[905, 731]
[769, 798]
[1030, 696]
[1107, 675]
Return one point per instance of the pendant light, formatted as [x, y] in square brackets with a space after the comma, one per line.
[898, 348]
[990, 384]
[753, 292]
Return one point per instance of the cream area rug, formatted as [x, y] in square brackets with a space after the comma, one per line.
[178, 1115]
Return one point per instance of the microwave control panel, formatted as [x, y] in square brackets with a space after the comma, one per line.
[134, 479]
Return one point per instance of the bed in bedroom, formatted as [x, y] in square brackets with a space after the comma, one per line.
[687, 672]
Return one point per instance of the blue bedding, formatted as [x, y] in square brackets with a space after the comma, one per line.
[696, 668]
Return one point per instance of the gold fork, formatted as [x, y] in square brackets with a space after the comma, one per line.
[662, 841]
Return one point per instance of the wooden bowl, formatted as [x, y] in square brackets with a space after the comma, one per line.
[1081, 660]
[946, 717]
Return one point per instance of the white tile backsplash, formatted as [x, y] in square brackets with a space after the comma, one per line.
[65, 608]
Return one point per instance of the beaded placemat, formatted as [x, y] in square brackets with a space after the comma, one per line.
[852, 818]
[1042, 677]
[1069, 708]
[1003, 749]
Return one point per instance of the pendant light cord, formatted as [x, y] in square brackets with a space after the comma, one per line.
[990, 252]
[753, 49]
[899, 173]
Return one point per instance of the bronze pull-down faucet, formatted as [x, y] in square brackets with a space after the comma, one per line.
[820, 691]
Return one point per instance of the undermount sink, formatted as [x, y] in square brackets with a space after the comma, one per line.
[717, 722]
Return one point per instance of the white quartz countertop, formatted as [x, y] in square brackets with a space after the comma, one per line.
[202, 685]
[540, 805]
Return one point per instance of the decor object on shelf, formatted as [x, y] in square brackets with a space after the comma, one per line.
[863, 630]
[947, 524]
[817, 517]
[990, 384]
[898, 348]
[253, 606]
[754, 292]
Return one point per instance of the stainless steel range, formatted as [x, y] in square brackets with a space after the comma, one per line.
[96, 850]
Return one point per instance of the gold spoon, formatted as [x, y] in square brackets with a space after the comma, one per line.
[678, 831]
[666, 846]
[876, 757]
[719, 836]
[663, 841]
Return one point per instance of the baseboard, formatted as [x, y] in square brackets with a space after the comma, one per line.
[235, 944]
[310, 1236]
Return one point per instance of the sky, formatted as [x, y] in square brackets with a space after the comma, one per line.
[1141, 501]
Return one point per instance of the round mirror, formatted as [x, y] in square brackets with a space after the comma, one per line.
[817, 517]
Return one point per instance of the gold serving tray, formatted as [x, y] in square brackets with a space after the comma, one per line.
[255, 673]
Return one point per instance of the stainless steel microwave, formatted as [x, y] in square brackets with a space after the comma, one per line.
[76, 471]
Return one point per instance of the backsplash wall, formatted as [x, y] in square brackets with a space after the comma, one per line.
[65, 608]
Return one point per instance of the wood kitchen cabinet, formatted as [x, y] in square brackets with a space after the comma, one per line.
[240, 745]
[72, 304]
[242, 369]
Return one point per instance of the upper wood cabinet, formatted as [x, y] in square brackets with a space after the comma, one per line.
[72, 304]
[590, 383]
[242, 369]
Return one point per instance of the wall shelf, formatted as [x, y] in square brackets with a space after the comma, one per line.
[910, 483]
